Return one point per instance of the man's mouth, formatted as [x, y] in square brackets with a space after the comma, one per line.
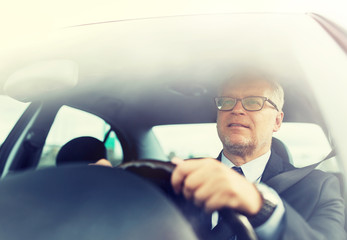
[237, 125]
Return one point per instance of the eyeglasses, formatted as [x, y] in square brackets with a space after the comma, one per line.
[251, 103]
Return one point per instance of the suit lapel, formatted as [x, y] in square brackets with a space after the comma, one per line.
[275, 166]
[220, 156]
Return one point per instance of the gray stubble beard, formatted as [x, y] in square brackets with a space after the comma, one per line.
[241, 150]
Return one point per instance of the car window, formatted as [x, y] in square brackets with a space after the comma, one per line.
[10, 111]
[306, 142]
[71, 123]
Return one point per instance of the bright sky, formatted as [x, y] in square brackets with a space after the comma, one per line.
[30, 19]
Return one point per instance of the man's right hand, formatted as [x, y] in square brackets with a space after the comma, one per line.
[213, 186]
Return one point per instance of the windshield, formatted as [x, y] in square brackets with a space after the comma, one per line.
[10, 111]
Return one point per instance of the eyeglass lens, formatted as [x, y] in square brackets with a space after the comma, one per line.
[248, 103]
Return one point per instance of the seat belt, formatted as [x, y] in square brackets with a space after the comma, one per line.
[283, 181]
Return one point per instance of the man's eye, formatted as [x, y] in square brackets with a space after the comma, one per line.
[253, 102]
[228, 103]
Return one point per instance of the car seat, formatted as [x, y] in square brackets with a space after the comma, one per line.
[281, 149]
[81, 150]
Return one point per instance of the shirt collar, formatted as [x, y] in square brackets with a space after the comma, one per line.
[253, 170]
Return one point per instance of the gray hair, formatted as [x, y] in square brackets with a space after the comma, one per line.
[251, 76]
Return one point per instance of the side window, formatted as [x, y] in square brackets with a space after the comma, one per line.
[71, 123]
[10, 111]
[306, 142]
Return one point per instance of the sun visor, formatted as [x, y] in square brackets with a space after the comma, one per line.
[41, 79]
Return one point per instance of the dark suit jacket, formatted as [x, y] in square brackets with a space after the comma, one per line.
[314, 208]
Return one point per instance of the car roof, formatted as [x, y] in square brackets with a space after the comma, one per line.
[167, 69]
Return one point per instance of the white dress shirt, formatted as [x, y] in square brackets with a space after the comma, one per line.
[253, 172]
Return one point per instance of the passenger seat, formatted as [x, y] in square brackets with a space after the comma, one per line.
[81, 150]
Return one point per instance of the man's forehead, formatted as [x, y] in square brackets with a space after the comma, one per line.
[246, 87]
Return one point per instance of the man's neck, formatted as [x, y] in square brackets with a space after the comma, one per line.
[240, 160]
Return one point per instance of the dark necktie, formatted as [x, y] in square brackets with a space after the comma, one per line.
[239, 170]
[221, 226]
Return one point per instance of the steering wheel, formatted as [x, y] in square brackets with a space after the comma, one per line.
[86, 202]
[159, 173]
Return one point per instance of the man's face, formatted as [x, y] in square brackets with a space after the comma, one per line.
[245, 133]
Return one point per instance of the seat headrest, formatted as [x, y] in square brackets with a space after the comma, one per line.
[81, 150]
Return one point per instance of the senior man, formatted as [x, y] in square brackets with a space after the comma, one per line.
[249, 111]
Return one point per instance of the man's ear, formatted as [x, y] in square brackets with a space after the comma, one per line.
[278, 123]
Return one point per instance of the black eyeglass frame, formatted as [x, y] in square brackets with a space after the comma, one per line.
[265, 99]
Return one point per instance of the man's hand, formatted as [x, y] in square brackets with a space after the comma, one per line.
[212, 185]
[103, 162]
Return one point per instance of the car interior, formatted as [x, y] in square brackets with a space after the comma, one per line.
[173, 81]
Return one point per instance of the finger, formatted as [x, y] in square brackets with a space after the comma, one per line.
[204, 192]
[194, 181]
[218, 201]
[188, 193]
[182, 170]
[176, 160]
[201, 195]
[177, 179]
[185, 168]
[215, 183]
[102, 162]
[241, 196]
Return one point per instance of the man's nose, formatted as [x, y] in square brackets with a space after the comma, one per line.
[238, 108]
